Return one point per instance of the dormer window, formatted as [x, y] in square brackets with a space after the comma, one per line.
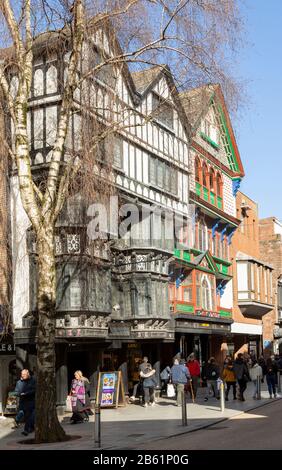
[162, 110]
[210, 133]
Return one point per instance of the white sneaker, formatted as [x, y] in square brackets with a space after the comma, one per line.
[145, 405]
[153, 403]
[132, 398]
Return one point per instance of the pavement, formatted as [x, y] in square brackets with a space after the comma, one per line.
[133, 425]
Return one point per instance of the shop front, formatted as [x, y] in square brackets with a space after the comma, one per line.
[246, 338]
[203, 337]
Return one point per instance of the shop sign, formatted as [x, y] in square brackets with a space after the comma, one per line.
[7, 348]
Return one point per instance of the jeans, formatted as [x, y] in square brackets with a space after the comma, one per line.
[270, 379]
[29, 415]
[255, 382]
[212, 386]
[149, 394]
[19, 416]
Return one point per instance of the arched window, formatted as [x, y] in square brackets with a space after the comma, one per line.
[197, 170]
[206, 293]
[218, 185]
[51, 79]
[203, 242]
[212, 180]
[38, 83]
[205, 175]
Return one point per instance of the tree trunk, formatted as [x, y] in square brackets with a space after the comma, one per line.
[47, 426]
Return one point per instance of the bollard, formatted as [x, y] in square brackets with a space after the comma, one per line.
[97, 426]
[184, 409]
[259, 387]
[222, 397]
[279, 381]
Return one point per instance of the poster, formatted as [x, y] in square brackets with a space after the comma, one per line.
[11, 403]
[108, 389]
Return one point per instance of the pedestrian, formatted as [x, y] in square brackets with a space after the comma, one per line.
[255, 373]
[149, 385]
[229, 377]
[180, 376]
[143, 364]
[195, 372]
[25, 390]
[211, 374]
[137, 388]
[271, 371]
[165, 377]
[262, 364]
[242, 374]
[80, 399]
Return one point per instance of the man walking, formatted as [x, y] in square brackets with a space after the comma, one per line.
[25, 390]
[179, 377]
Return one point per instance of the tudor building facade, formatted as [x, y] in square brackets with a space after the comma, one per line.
[112, 299]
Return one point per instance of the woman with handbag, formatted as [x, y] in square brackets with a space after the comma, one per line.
[80, 399]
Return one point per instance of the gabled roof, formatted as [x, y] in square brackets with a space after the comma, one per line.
[144, 78]
[197, 102]
[206, 255]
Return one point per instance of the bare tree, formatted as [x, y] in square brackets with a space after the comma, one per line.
[192, 36]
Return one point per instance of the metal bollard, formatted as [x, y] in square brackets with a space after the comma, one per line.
[184, 409]
[97, 426]
[259, 387]
[222, 397]
[279, 381]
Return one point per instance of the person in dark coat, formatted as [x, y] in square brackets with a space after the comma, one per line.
[242, 374]
[210, 375]
[149, 384]
[80, 398]
[25, 390]
[271, 373]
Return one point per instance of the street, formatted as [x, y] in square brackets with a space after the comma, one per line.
[256, 429]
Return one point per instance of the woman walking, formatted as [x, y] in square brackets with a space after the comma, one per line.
[80, 400]
[149, 385]
[255, 374]
[229, 377]
[271, 371]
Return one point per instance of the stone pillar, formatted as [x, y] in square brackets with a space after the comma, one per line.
[95, 363]
[157, 366]
[4, 380]
[61, 377]
[21, 358]
[124, 374]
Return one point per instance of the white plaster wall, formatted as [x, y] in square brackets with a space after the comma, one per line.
[277, 227]
[20, 224]
[226, 301]
[229, 201]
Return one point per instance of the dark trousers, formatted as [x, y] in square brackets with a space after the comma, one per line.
[229, 385]
[242, 387]
[270, 379]
[194, 384]
[29, 416]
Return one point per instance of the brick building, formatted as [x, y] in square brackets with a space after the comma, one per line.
[270, 241]
[253, 296]
[201, 296]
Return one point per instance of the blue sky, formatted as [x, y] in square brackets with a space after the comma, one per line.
[259, 130]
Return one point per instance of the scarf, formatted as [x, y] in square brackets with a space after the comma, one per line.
[77, 392]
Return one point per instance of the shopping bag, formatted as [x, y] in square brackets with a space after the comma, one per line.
[170, 391]
[68, 404]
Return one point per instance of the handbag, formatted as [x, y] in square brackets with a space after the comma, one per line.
[68, 404]
[170, 391]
